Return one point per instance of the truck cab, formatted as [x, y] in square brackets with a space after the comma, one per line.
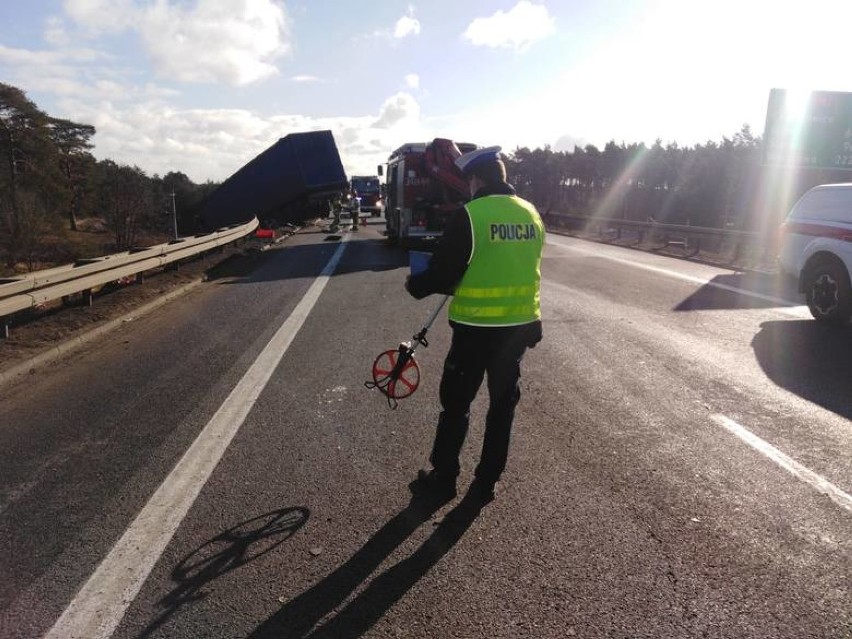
[369, 190]
[423, 188]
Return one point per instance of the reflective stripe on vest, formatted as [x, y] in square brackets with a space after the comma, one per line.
[502, 282]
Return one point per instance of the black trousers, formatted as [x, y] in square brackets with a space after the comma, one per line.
[475, 352]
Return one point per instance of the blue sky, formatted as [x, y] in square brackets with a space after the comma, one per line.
[202, 86]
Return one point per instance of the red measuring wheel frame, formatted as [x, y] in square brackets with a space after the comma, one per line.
[396, 381]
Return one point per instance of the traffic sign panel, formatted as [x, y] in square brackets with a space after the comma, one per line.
[811, 129]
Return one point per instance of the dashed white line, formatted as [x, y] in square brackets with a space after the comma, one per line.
[842, 499]
[101, 603]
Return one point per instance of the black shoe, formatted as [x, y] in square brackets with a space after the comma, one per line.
[482, 490]
[431, 484]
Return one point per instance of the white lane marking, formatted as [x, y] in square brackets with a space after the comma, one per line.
[793, 308]
[844, 500]
[100, 604]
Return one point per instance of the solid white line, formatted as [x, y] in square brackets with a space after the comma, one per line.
[101, 603]
[818, 482]
[789, 306]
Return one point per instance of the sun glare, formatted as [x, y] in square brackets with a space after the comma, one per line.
[796, 105]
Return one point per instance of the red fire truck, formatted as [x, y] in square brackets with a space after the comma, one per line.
[423, 187]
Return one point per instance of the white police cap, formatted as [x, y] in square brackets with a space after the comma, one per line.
[469, 161]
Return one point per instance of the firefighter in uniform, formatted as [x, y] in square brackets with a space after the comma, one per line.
[489, 259]
[355, 208]
[336, 205]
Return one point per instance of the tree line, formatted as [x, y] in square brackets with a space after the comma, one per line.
[709, 184]
[716, 184]
[52, 187]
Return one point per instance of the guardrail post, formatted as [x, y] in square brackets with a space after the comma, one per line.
[4, 333]
[88, 298]
[737, 251]
[697, 248]
[766, 256]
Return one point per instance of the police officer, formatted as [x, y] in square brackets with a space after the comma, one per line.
[489, 258]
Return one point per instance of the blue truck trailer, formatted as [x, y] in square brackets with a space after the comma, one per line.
[289, 182]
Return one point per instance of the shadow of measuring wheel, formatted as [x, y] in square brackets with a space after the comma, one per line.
[227, 551]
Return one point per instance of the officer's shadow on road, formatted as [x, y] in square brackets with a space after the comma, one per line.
[297, 618]
[227, 551]
[809, 358]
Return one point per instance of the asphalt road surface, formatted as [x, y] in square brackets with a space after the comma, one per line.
[681, 464]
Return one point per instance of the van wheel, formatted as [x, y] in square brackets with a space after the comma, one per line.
[828, 293]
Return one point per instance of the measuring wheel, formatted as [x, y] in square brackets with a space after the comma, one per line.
[396, 373]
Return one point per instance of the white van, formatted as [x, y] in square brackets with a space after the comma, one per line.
[816, 248]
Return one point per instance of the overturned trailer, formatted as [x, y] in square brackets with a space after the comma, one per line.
[290, 181]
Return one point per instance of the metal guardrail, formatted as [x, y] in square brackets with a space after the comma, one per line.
[689, 237]
[27, 291]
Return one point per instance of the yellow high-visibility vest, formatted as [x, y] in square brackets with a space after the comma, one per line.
[501, 286]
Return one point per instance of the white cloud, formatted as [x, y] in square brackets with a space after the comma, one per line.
[210, 41]
[412, 81]
[399, 108]
[54, 71]
[157, 137]
[568, 142]
[518, 28]
[64, 58]
[234, 42]
[306, 79]
[55, 32]
[73, 73]
[98, 16]
[406, 26]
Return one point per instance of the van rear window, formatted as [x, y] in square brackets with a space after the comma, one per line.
[828, 205]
